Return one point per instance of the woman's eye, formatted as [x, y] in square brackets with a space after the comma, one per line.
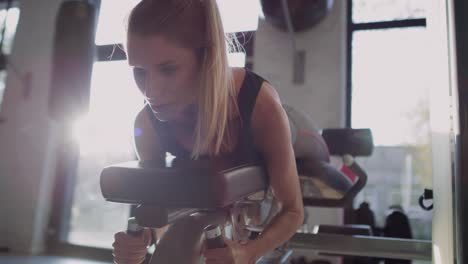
[139, 73]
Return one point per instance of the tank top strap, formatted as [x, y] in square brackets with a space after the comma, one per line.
[248, 95]
[246, 100]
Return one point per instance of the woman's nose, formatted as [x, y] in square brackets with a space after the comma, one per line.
[154, 87]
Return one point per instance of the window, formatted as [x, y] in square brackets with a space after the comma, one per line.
[104, 136]
[389, 94]
[9, 17]
[365, 11]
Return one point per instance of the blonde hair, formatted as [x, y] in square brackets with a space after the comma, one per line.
[197, 24]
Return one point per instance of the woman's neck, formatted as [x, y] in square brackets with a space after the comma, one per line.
[187, 122]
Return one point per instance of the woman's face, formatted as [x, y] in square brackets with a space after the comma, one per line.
[166, 74]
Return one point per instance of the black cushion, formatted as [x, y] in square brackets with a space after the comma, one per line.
[189, 185]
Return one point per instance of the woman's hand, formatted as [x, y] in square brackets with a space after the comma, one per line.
[130, 249]
[233, 253]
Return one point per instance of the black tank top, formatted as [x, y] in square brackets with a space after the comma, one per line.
[244, 151]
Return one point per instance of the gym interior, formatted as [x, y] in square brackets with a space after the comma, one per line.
[384, 83]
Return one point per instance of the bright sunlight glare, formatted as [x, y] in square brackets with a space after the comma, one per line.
[236, 15]
[236, 59]
[239, 15]
[112, 17]
[389, 96]
[115, 100]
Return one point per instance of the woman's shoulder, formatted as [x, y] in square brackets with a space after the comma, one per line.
[144, 123]
[142, 118]
[147, 144]
[242, 75]
[259, 102]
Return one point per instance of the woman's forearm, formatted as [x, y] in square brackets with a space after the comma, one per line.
[282, 227]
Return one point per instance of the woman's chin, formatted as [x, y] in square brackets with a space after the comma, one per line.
[164, 117]
[172, 116]
[175, 115]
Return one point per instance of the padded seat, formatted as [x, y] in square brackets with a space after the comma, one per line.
[187, 185]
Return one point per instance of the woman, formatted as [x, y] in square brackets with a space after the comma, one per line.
[199, 107]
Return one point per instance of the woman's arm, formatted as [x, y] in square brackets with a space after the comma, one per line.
[272, 137]
[145, 139]
[147, 148]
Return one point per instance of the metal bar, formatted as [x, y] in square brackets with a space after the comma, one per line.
[460, 8]
[420, 22]
[181, 242]
[110, 53]
[349, 58]
[180, 213]
[395, 248]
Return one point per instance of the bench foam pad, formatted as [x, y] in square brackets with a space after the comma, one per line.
[186, 186]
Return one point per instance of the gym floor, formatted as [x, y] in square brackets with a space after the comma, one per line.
[4, 259]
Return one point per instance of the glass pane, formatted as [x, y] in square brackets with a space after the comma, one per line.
[236, 59]
[390, 95]
[111, 23]
[11, 24]
[388, 10]
[12, 19]
[2, 85]
[105, 137]
[237, 15]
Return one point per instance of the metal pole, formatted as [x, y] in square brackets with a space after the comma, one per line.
[368, 246]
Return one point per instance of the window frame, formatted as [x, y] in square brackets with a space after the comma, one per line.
[4, 5]
[352, 27]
